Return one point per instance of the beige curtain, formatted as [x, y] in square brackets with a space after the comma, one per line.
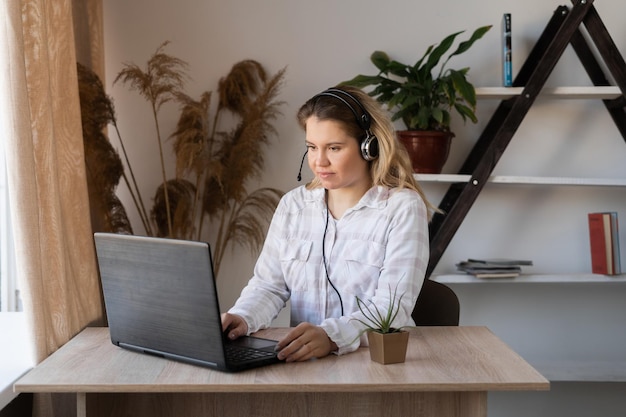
[89, 34]
[46, 171]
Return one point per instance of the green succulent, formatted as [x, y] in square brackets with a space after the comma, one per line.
[377, 321]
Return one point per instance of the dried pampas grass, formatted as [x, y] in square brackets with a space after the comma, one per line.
[214, 160]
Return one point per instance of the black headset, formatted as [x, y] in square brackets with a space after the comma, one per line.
[369, 145]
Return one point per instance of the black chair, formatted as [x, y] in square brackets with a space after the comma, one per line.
[437, 305]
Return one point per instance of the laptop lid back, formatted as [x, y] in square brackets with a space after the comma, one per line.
[160, 297]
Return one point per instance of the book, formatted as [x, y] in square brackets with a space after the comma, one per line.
[507, 56]
[493, 267]
[617, 264]
[502, 261]
[604, 243]
[474, 267]
[487, 275]
[600, 255]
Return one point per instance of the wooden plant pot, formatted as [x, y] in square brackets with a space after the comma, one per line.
[388, 348]
[427, 149]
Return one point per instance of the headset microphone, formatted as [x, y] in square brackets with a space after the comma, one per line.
[301, 165]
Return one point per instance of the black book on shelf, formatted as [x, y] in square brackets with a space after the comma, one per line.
[479, 266]
[502, 261]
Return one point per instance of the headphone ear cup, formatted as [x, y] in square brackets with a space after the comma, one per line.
[369, 148]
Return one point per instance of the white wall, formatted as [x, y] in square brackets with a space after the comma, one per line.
[323, 42]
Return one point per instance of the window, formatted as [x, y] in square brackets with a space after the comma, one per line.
[9, 292]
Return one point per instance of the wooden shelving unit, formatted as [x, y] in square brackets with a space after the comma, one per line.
[563, 29]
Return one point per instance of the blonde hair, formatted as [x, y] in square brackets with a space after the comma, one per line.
[392, 168]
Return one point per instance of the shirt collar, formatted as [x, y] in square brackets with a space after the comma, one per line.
[376, 197]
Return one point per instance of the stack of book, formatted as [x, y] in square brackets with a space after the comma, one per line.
[493, 268]
[604, 243]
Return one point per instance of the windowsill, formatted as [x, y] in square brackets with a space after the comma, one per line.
[15, 357]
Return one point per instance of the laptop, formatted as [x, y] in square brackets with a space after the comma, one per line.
[161, 299]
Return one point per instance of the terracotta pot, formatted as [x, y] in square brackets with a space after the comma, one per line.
[427, 149]
[389, 347]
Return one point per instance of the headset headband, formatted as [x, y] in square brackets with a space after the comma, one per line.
[364, 121]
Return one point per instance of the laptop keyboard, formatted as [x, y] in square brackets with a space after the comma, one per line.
[239, 354]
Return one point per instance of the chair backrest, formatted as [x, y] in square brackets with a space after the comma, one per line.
[437, 305]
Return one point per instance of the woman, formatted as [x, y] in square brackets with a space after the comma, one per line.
[359, 228]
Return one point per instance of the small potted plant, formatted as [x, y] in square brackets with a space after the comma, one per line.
[387, 344]
[423, 97]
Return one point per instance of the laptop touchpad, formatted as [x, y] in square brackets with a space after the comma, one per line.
[255, 343]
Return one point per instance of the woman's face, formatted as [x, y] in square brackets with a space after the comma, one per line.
[334, 156]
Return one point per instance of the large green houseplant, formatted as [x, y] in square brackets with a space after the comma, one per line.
[424, 94]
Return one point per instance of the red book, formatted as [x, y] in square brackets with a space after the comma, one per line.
[600, 242]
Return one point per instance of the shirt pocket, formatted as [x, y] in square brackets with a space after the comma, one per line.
[294, 256]
[363, 263]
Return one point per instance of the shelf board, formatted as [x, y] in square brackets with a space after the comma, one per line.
[512, 179]
[577, 92]
[581, 370]
[533, 279]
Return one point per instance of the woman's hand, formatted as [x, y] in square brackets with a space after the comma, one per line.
[235, 325]
[304, 342]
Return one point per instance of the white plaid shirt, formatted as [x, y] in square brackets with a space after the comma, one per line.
[380, 243]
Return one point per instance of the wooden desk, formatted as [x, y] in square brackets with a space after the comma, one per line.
[448, 372]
